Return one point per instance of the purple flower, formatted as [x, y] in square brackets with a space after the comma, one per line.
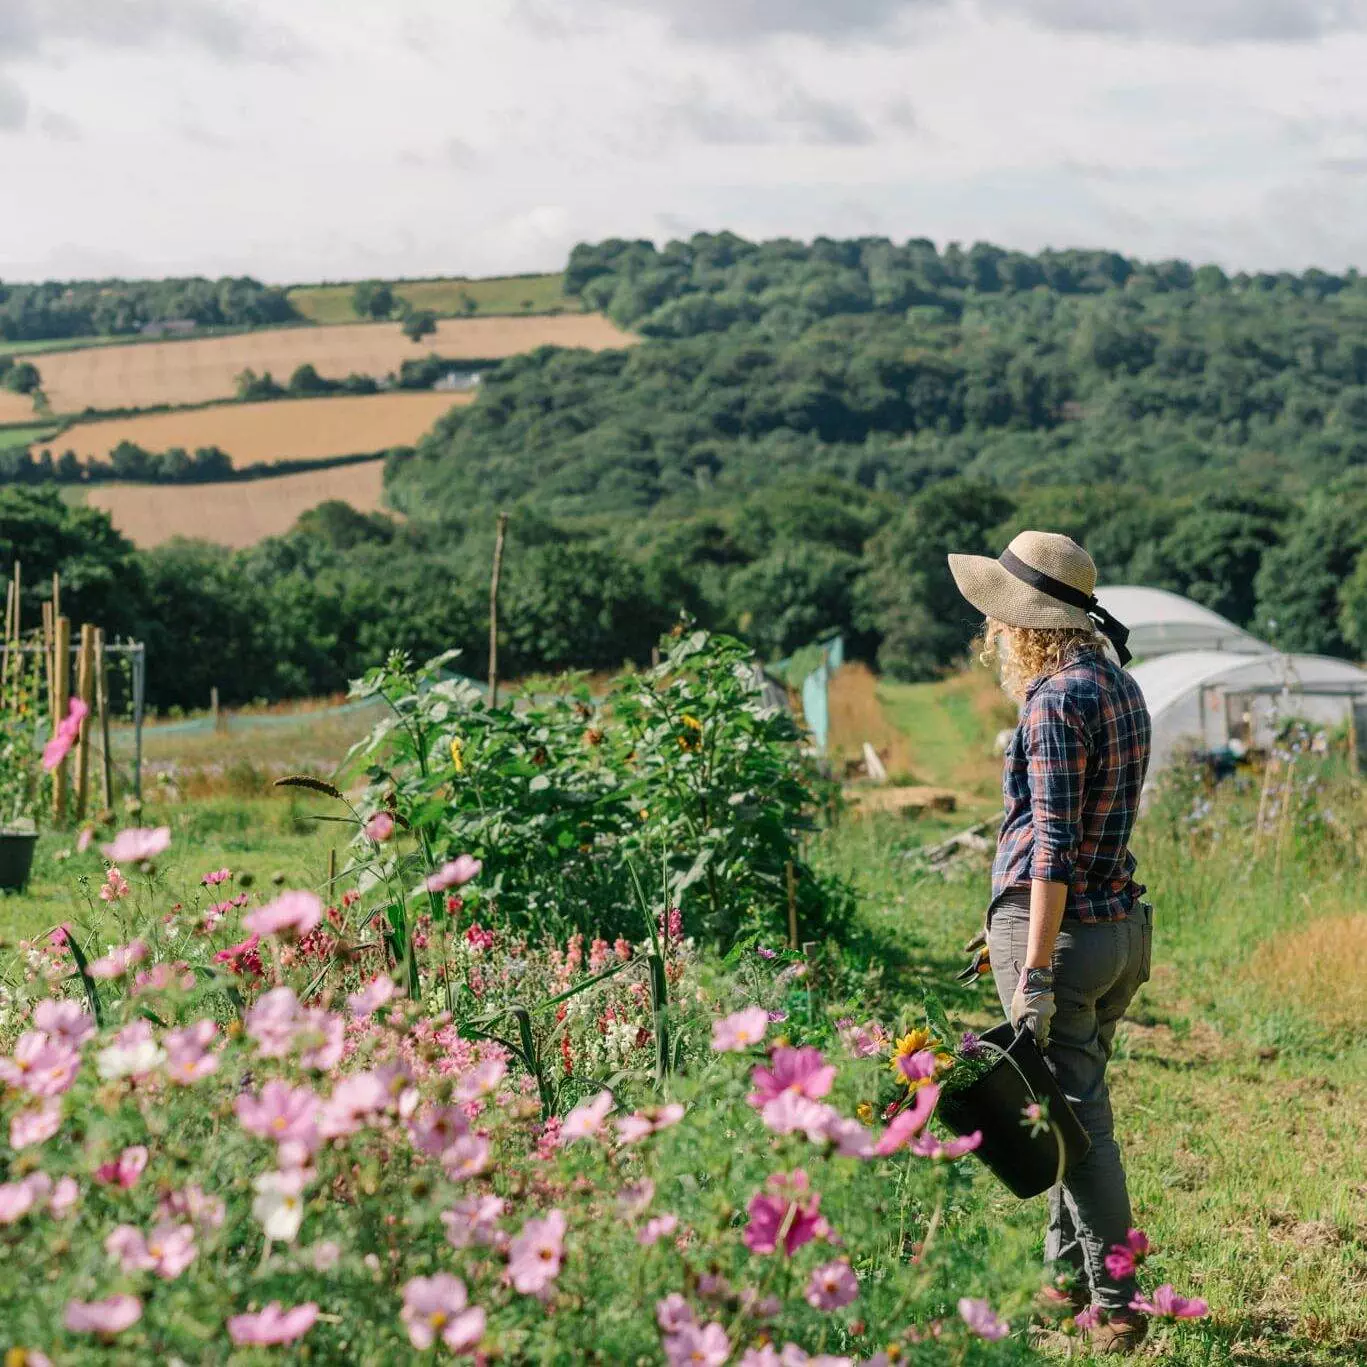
[765, 953]
[970, 1046]
[982, 1320]
[832, 1286]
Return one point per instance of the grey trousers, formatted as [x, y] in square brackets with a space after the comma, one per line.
[1097, 971]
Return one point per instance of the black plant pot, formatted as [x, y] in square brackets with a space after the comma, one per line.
[995, 1104]
[16, 859]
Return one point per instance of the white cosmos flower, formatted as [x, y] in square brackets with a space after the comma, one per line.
[129, 1060]
[279, 1203]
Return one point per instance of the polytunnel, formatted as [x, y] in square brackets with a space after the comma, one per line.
[1162, 623]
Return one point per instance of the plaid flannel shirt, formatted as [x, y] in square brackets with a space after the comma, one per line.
[1071, 782]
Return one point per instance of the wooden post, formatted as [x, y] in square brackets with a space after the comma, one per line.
[213, 705]
[493, 609]
[102, 707]
[792, 905]
[1354, 763]
[85, 682]
[332, 873]
[61, 659]
[47, 657]
[56, 594]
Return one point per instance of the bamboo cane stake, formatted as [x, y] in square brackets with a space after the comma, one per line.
[47, 659]
[1269, 770]
[61, 657]
[493, 609]
[85, 681]
[102, 707]
[1284, 828]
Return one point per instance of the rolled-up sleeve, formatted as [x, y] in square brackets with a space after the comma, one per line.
[1055, 737]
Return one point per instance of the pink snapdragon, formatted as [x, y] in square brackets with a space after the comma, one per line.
[655, 1229]
[380, 827]
[982, 1320]
[796, 1070]
[635, 1127]
[909, 1122]
[167, 1251]
[435, 1307]
[40, 1065]
[698, 1346]
[375, 994]
[289, 916]
[1166, 1304]
[272, 1325]
[787, 1208]
[64, 737]
[586, 1120]
[63, 1021]
[107, 1317]
[138, 844]
[289, 1115]
[115, 886]
[832, 1286]
[454, 873]
[119, 960]
[124, 1170]
[187, 1052]
[35, 1125]
[535, 1256]
[740, 1030]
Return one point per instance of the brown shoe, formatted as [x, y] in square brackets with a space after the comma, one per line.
[1119, 1334]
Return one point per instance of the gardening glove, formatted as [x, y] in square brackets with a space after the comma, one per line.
[1032, 1004]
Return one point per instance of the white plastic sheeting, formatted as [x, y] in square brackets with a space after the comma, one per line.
[1208, 699]
[1162, 623]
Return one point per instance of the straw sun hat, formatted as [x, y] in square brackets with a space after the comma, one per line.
[1042, 580]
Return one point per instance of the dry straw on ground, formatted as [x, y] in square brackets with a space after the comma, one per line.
[857, 716]
[236, 514]
[200, 369]
[300, 429]
[15, 407]
[1319, 967]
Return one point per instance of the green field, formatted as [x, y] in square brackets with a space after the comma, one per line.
[502, 294]
[11, 437]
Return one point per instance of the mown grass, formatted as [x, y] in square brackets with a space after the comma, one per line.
[11, 437]
[1240, 1081]
[500, 294]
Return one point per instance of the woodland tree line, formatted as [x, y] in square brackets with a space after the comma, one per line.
[803, 433]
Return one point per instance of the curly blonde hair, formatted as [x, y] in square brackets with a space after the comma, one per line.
[1023, 654]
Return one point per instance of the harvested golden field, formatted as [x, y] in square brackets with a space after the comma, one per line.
[201, 369]
[236, 514]
[15, 407]
[299, 429]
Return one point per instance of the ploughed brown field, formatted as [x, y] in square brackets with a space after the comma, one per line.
[236, 514]
[301, 429]
[15, 407]
[201, 369]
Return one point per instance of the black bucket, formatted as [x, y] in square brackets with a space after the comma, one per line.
[16, 859]
[1027, 1162]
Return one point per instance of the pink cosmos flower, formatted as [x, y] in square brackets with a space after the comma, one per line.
[1090, 1318]
[289, 1115]
[167, 1251]
[586, 1120]
[115, 885]
[1120, 1262]
[982, 1320]
[435, 1128]
[110, 1316]
[18, 1198]
[908, 1123]
[791, 1113]
[372, 996]
[639, 1124]
[798, 1070]
[660, 1227]
[534, 1257]
[740, 1030]
[64, 737]
[192, 1203]
[454, 874]
[212, 880]
[187, 1059]
[832, 1286]
[380, 827]
[474, 1221]
[1167, 1304]
[64, 1021]
[481, 1080]
[35, 1125]
[272, 1020]
[138, 844]
[354, 1100]
[467, 1157]
[273, 1325]
[927, 1146]
[319, 1035]
[435, 1307]
[673, 1314]
[290, 915]
[864, 1041]
[850, 1138]
[125, 1170]
[83, 840]
[119, 960]
[40, 1065]
[325, 1255]
[918, 1067]
[64, 1197]
[633, 1200]
[781, 1203]
[698, 1346]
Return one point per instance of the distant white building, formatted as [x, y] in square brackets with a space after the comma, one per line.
[168, 327]
[1161, 623]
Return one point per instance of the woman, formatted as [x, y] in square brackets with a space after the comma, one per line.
[1068, 932]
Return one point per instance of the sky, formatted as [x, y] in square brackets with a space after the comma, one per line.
[307, 140]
